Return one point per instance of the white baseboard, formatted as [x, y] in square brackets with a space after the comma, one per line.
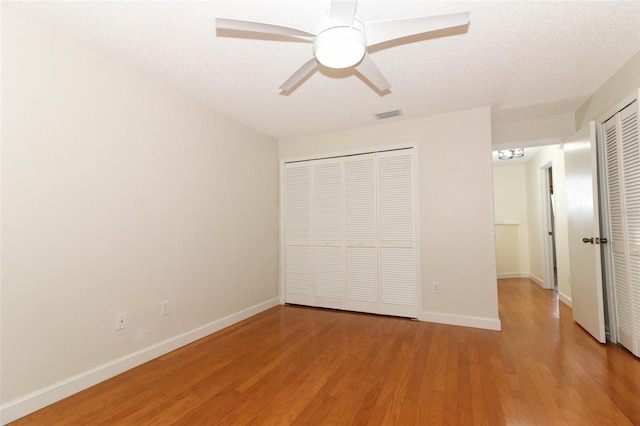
[36, 400]
[565, 299]
[532, 277]
[505, 275]
[537, 280]
[462, 320]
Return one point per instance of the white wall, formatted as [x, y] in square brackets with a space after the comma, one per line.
[534, 132]
[456, 206]
[511, 222]
[614, 90]
[119, 193]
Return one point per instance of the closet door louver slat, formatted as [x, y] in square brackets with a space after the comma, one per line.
[298, 272]
[298, 251]
[298, 203]
[396, 228]
[617, 234]
[360, 199]
[629, 139]
[362, 280]
[361, 234]
[395, 197]
[328, 233]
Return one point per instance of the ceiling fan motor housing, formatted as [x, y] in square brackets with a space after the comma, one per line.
[339, 46]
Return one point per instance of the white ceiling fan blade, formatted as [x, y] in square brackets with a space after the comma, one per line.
[369, 70]
[381, 31]
[259, 27]
[343, 11]
[310, 66]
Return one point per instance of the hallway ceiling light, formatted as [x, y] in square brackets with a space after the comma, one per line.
[508, 154]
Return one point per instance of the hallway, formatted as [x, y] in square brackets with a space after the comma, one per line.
[557, 367]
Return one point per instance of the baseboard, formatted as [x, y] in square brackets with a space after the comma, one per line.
[565, 299]
[532, 277]
[462, 320]
[506, 275]
[36, 400]
[537, 280]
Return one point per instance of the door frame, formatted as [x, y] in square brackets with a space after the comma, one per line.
[546, 227]
[610, 318]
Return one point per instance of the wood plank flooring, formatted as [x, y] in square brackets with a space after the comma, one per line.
[295, 365]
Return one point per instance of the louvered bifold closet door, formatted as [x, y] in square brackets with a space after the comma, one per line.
[350, 237]
[396, 225]
[628, 130]
[620, 267]
[622, 163]
[328, 247]
[298, 270]
[361, 234]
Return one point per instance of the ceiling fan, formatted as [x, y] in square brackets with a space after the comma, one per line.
[341, 40]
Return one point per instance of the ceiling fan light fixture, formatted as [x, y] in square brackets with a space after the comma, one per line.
[340, 47]
[340, 40]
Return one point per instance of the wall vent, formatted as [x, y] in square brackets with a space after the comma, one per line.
[388, 114]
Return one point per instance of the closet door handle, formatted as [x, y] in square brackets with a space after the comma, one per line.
[587, 240]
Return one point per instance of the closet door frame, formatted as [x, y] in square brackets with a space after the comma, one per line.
[608, 279]
[360, 151]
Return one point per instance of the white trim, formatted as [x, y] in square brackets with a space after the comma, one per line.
[357, 151]
[545, 221]
[281, 243]
[565, 299]
[537, 280]
[40, 398]
[417, 242]
[606, 263]
[506, 275]
[595, 232]
[462, 320]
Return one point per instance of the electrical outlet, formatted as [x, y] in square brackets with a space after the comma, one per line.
[121, 321]
[165, 308]
[436, 287]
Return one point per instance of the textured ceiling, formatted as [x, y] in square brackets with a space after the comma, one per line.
[524, 59]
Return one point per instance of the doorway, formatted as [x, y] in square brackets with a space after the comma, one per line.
[549, 229]
[530, 202]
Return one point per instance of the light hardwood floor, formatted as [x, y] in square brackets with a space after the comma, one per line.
[295, 365]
